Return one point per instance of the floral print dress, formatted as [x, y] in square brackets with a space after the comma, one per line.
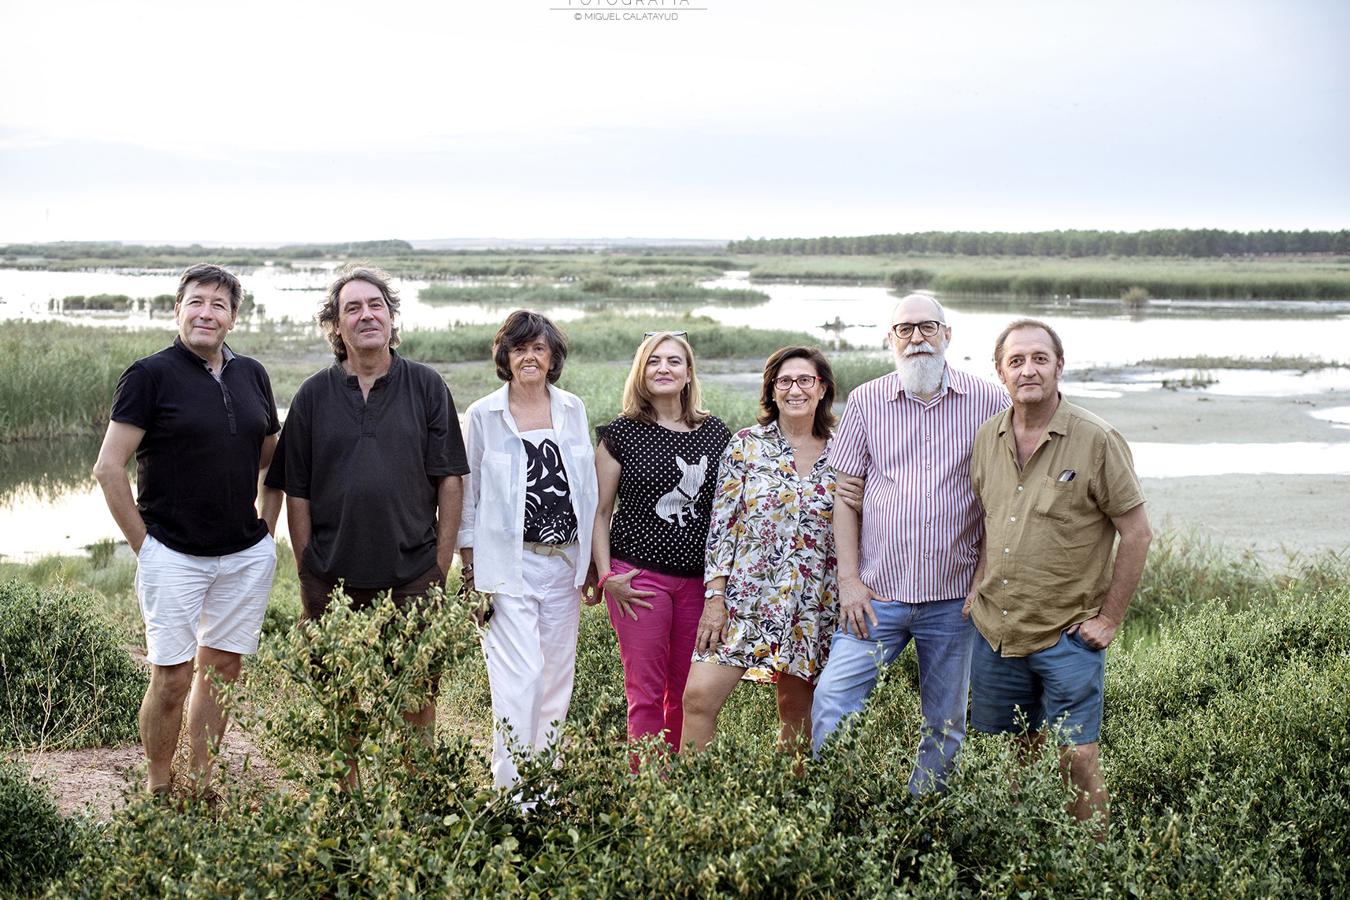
[772, 536]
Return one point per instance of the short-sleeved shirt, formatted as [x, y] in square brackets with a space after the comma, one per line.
[665, 493]
[771, 536]
[370, 469]
[921, 526]
[1048, 528]
[197, 465]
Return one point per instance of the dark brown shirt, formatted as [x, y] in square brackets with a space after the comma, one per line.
[1048, 528]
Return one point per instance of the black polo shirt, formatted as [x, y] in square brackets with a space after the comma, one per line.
[197, 466]
[370, 469]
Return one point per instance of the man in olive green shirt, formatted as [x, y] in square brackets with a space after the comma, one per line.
[1057, 485]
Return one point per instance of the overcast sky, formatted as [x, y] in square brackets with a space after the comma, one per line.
[316, 121]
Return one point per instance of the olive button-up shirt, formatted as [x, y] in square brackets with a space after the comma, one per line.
[1048, 529]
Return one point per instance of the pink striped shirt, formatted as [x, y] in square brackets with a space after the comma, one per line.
[921, 523]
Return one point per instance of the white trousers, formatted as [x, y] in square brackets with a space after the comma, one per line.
[531, 651]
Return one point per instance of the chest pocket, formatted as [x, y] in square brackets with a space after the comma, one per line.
[498, 484]
[1057, 499]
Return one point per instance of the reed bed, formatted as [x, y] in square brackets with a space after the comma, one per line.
[607, 337]
[1267, 363]
[1305, 278]
[57, 379]
[597, 290]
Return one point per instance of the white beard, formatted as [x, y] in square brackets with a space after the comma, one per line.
[920, 368]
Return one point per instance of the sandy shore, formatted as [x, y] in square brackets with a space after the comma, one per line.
[1274, 515]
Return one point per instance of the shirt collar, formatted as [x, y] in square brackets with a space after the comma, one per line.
[395, 362]
[226, 354]
[1059, 422]
[500, 398]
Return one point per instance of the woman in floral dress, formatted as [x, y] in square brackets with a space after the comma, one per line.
[770, 604]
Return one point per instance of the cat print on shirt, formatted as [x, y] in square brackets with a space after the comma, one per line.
[678, 503]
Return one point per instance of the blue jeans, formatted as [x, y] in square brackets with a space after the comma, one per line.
[942, 639]
[1061, 685]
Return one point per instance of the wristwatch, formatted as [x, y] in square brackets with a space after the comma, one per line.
[713, 592]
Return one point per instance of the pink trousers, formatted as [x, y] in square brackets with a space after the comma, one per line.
[656, 650]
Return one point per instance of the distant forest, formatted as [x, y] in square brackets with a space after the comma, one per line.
[1195, 242]
[116, 250]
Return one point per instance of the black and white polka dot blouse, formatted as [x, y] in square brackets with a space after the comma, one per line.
[665, 493]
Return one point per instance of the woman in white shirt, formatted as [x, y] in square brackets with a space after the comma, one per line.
[529, 509]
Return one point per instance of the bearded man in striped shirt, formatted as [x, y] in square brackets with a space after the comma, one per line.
[905, 568]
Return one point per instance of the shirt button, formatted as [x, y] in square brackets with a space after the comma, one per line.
[1005, 612]
[1012, 518]
[1005, 581]
[1007, 549]
[1019, 489]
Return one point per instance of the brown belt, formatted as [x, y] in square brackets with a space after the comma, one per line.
[550, 549]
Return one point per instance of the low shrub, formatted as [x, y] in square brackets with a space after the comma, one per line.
[1226, 743]
[67, 680]
[1241, 718]
[36, 844]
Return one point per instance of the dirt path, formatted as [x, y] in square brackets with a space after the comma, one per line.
[95, 780]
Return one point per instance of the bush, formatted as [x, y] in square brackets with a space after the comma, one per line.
[35, 842]
[909, 279]
[1226, 745]
[1241, 718]
[67, 681]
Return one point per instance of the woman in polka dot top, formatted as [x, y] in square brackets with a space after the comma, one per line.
[659, 460]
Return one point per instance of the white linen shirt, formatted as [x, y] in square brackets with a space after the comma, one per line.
[493, 523]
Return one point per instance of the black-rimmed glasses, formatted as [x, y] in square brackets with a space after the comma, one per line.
[805, 382]
[905, 330]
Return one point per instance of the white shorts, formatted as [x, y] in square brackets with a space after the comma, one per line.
[211, 601]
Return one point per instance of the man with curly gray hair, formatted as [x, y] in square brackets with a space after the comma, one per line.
[371, 459]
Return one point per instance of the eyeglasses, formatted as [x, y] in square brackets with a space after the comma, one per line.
[905, 330]
[648, 334]
[805, 382]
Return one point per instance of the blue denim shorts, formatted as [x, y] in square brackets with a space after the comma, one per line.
[1060, 685]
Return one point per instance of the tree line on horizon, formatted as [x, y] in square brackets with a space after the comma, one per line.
[117, 249]
[1192, 242]
[1174, 242]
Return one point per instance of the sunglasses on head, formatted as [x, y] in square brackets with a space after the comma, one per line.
[648, 334]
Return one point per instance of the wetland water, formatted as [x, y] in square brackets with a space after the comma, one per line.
[1282, 424]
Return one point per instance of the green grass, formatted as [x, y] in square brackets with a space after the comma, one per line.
[607, 337]
[1313, 278]
[59, 379]
[595, 292]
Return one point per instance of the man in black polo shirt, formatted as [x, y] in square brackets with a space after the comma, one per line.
[202, 424]
[370, 459]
